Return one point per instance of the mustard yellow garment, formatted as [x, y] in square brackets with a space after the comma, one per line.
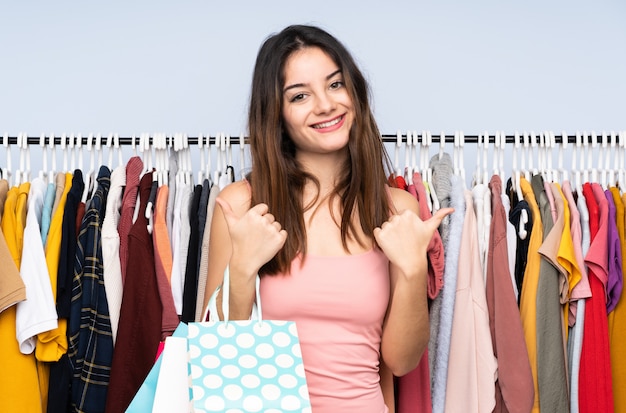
[617, 317]
[567, 258]
[19, 383]
[528, 297]
[9, 224]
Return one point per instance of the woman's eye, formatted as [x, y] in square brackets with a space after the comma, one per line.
[336, 85]
[297, 97]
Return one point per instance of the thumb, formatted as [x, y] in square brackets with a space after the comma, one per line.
[440, 215]
[229, 214]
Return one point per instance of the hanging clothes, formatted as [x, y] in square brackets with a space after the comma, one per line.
[19, 383]
[163, 263]
[441, 347]
[139, 331]
[12, 288]
[471, 346]
[129, 200]
[514, 389]
[528, 295]
[90, 336]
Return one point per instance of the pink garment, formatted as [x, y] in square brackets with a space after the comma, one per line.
[581, 289]
[338, 304]
[597, 257]
[471, 347]
[436, 258]
[413, 389]
[514, 388]
[129, 199]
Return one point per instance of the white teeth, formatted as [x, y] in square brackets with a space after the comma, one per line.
[327, 124]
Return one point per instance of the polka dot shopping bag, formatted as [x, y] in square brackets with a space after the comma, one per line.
[246, 366]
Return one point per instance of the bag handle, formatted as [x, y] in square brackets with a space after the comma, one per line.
[211, 308]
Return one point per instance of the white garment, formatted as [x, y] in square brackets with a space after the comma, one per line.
[181, 231]
[112, 268]
[37, 314]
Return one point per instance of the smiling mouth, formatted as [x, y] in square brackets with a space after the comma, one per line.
[329, 123]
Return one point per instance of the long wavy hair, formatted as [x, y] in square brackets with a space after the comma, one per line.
[276, 177]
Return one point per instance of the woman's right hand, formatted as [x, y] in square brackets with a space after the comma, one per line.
[256, 236]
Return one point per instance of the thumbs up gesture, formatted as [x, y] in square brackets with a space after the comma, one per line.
[255, 235]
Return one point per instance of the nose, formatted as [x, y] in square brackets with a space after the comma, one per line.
[324, 103]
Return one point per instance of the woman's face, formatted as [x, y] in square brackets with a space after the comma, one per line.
[317, 109]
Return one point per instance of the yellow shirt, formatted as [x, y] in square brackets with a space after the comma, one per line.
[567, 258]
[528, 295]
[19, 385]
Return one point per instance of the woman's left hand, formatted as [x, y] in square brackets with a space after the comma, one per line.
[404, 238]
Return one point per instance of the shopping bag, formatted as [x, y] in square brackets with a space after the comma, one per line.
[246, 366]
[144, 399]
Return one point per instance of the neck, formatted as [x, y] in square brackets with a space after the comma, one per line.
[325, 167]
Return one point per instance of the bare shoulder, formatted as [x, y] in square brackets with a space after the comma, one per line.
[403, 200]
[237, 194]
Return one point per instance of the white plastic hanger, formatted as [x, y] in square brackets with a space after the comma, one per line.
[408, 168]
[53, 154]
[562, 148]
[613, 166]
[424, 168]
[476, 179]
[604, 166]
[415, 145]
[462, 158]
[89, 175]
[202, 158]
[64, 152]
[593, 165]
[71, 143]
[485, 157]
[397, 170]
[79, 152]
[17, 176]
[43, 171]
[429, 176]
[109, 145]
[585, 159]
[442, 144]
[242, 155]
[621, 150]
[5, 172]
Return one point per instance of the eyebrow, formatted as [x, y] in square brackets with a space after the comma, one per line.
[296, 85]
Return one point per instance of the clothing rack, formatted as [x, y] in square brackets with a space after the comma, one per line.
[529, 137]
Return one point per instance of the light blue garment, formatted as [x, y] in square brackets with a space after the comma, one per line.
[447, 296]
[46, 212]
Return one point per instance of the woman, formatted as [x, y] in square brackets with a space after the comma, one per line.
[338, 251]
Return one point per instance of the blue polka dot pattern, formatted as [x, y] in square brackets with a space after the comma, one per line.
[247, 366]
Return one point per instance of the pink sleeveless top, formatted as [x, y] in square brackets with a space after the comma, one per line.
[338, 304]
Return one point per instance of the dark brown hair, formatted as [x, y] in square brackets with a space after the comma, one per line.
[276, 177]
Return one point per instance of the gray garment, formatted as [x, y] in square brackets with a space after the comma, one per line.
[551, 365]
[441, 329]
[443, 169]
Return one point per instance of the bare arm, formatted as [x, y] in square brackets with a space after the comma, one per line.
[404, 238]
[243, 238]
